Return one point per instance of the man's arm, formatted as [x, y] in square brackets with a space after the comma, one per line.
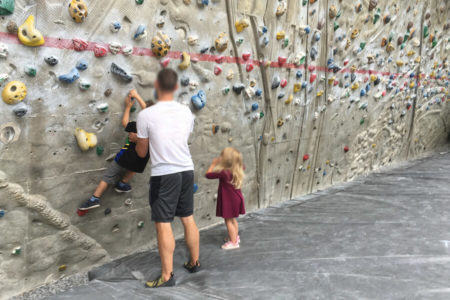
[142, 147]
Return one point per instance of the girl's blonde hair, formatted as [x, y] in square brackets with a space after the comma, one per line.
[231, 159]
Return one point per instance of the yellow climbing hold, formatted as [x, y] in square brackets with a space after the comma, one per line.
[29, 35]
[331, 80]
[161, 44]
[417, 60]
[281, 35]
[412, 84]
[289, 99]
[411, 53]
[327, 162]
[297, 87]
[374, 145]
[320, 93]
[399, 63]
[221, 43]
[390, 48]
[373, 78]
[355, 33]
[355, 86]
[186, 61]
[241, 25]
[14, 92]
[78, 10]
[85, 139]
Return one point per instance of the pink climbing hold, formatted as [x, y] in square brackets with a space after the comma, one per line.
[79, 45]
[366, 78]
[220, 59]
[249, 67]
[336, 82]
[165, 62]
[245, 56]
[311, 68]
[217, 70]
[312, 78]
[383, 93]
[281, 60]
[100, 51]
[283, 83]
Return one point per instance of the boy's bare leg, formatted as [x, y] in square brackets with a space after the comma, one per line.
[127, 176]
[192, 238]
[101, 188]
[232, 229]
[166, 247]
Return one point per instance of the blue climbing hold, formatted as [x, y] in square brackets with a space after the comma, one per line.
[367, 88]
[264, 29]
[116, 26]
[299, 74]
[140, 31]
[362, 93]
[195, 187]
[258, 92]
[352, 77]
[199, 100]
[2, 213]
[411, 75]
[330, 61]
[70, 77]
[82, 65]
[304, 84]
[205, 2]
[281, 95]
[317, 36]
[255, 106]
[307, 29]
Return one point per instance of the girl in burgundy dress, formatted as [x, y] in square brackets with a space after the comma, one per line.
[229, 169]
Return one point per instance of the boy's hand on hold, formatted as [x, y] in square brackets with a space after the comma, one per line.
[133, 94]
[128, 100]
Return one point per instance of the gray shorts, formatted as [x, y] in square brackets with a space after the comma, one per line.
[114, 173]
[172, 195]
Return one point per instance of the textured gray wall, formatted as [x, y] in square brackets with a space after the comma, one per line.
[45, 176]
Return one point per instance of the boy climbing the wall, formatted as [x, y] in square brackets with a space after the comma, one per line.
[126, 163]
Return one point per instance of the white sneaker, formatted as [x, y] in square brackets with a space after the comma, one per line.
[230, 246]
[227, 239]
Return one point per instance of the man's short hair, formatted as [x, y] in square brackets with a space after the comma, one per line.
[167, 80]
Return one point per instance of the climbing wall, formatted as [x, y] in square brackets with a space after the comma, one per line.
[313, 93]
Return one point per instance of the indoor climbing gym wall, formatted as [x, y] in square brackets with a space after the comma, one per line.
[312, 92]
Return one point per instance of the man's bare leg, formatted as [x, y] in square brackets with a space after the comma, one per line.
[166, 247]
[101, 188]
[192, 238]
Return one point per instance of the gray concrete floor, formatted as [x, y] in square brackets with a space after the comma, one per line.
[386, 236]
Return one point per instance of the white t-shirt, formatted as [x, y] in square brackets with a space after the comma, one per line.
[167, 125]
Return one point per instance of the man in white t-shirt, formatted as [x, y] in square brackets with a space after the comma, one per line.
[164, 129]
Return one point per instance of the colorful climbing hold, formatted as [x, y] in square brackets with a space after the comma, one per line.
[29, 35]
[199, 100]
[78, 10]
[14, 92]
[6, 7]
[70, 77]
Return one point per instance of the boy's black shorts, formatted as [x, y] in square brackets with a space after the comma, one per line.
[172, 195]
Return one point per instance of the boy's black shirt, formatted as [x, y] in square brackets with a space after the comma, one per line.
[130, 160]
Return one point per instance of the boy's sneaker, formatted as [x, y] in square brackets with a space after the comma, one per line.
[122, 187]
[159, 282]
[227, 239]
[192, 268]
[93, 202]
[230, 246]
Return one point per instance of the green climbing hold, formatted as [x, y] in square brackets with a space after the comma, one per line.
[425, 31]
[377, 15]
[141, 224]
[16, 251]
[133, 108]
[304, 2]
[139, 2]
[391, 36]
[362, 45]
[30, 71]
[434, 42]
[261, 115]
[285, 42]
[406, 37]
[338, 14]
[402, 46]
[100, 150]
[362, 121]
[302, 60]
[336, 26]
[6, 7]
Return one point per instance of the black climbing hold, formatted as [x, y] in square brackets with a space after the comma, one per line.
[51, 60]
[107, 211]
[115, 69]
[238, 88]
[184, 80]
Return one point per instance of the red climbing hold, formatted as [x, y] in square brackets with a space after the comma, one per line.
[281, 60]
[249, 67]
[346, 148]
[79, 45]
[311, 68]
[345, 62]
[305, 157]
[245, 56]
[336, 82]
[283, 83]
[81, 212]
[217, 70]
[220, 59]
[312, 78]
[165, 62]
[100, 51]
